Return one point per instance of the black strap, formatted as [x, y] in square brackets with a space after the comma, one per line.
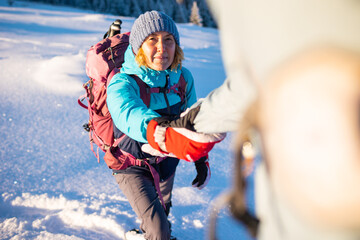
[163, 90]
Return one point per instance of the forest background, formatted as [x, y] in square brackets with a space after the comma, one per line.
[182, 11]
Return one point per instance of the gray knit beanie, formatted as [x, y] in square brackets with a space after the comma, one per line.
[149, 23]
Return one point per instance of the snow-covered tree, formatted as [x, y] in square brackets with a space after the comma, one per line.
[195, 17]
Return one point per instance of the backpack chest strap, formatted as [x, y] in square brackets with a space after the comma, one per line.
[145, 91]
[174, 88]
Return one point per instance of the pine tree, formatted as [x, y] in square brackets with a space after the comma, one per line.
[119, 7]
[180, 13]
[99, 5]
[160, 6]
[207, 19]
[195, 17]
[124, 10]
[80, 4]
[151, 5]
[168, 7]
[135, 9]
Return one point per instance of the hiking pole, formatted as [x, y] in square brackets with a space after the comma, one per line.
[114, 29]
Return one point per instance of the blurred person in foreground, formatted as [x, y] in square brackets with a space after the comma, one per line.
[293, 81]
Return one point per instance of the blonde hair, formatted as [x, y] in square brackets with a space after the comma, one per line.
[178, 58]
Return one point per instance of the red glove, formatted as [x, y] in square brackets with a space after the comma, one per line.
[183, 143]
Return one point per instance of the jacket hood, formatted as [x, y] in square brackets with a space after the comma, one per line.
[150, 76]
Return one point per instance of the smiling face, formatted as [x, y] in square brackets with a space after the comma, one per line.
[159, 50]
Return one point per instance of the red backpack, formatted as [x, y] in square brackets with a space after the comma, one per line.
[103, 61]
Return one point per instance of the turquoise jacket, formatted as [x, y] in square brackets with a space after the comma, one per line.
[129, 113]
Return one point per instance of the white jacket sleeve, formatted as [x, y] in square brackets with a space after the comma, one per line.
[224, 107]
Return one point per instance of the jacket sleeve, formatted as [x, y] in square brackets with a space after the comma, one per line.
[129, 113]
[225, 106]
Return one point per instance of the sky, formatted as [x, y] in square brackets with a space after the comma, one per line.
[52, 186]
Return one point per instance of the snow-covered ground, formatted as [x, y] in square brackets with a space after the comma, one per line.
[51, 184]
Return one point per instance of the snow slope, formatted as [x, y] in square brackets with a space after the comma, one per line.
[51, 184]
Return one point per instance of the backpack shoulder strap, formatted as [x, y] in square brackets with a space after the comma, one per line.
[182, 88]
[144, 90]
[111, 75]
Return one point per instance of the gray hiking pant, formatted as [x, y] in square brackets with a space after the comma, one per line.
[143, 198]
